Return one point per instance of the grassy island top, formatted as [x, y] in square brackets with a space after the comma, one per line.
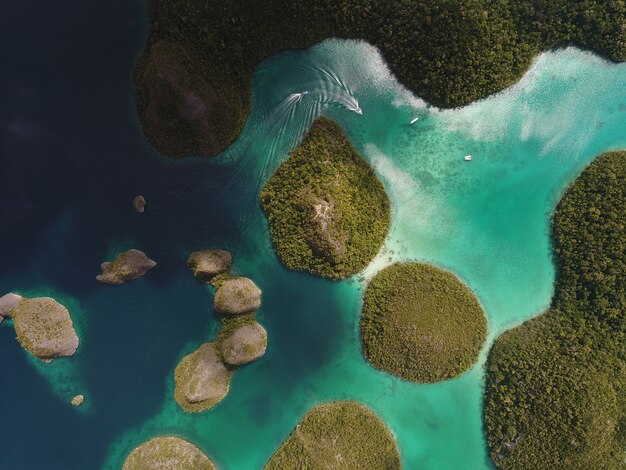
[167, 453]
[338, 435]
[44, 328]
[555, 395]
[193, 77]
[421, 323]
[201, 379]
[328, 212]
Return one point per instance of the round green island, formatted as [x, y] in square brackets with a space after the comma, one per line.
[421, 323]
[343, 435]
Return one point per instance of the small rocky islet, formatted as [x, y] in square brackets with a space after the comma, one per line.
[78, 400]
[8, 303]
[131, 264]
[139, 204]
[43, 326]
[202, 378]
[205, 265]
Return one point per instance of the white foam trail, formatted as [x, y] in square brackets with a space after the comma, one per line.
[329, 89]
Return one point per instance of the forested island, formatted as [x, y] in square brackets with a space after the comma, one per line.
[192, 79]
[339, 435]
[328, 212]
[167, 453]
[556, 385]
[202, 378]
[421, 323]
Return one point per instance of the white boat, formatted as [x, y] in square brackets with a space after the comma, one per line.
[414, 120]
[467, 158]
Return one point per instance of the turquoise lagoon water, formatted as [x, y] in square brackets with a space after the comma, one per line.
[486, 220]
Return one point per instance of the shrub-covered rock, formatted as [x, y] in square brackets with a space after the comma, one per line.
[167, 453]
[338, 435]
[236, 296]
[127, 266]
[243, 344]
[201, 380]
[44, 328]
[205, 265]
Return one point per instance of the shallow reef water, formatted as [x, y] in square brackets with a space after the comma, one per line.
[73, 157]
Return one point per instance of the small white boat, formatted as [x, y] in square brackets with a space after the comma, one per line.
[467, 158]
[414, 120]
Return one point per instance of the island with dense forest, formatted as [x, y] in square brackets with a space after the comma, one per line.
[315, 205]
[192, 79]
[340, 435]
[556, 385]
[421, 323]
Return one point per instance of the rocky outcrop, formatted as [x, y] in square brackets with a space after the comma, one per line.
[78, 400]
[244, 344]
[44, 328]
[167, 453]
[205, 265]
[322, 235]
[201, 380]
[8, 303]
[328, 212]
[128, 266]
[139, 204]
[236, 296]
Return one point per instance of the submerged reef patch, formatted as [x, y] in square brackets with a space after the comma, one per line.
[202, 378]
